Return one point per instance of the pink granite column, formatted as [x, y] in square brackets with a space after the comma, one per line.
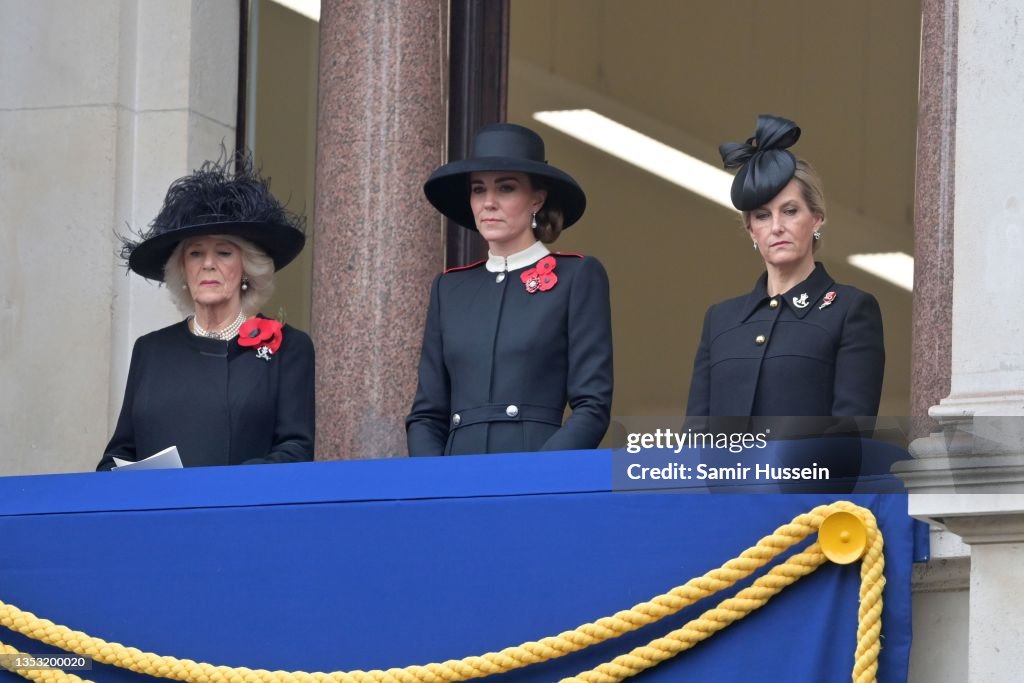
[933, 214]
[377, 242]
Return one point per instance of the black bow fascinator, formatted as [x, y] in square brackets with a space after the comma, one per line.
[223, 197]
[764, 162]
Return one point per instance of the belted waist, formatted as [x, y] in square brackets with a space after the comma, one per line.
[506, 412]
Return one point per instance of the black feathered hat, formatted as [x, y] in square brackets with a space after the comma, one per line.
[502, 147]
[764, 162]
[224, 197]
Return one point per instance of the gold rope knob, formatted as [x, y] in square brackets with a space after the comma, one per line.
[843, 537]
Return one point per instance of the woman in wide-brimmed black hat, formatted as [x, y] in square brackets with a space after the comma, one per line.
[225, 386]
[512, 340]
[799, 344]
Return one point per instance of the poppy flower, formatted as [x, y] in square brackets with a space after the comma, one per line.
[261, 332]
[541, 277]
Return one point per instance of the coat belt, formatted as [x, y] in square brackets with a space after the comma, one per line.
[505, 412]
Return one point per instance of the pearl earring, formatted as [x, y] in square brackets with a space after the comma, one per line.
[245, 282]
[755, 246]
[533, 221]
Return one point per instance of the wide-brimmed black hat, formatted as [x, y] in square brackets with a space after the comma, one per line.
[764, 162]
[503, 147]
[224, 197]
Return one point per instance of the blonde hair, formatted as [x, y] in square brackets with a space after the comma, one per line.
[256, 266]
[812, 191]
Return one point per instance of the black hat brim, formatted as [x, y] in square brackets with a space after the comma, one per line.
[447, 188]
[282, 243]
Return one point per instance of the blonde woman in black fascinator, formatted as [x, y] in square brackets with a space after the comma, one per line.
[799, 343]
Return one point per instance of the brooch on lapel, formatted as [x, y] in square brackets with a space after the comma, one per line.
[541, 277]
[827, 301]
[801, 301]
[263, 334]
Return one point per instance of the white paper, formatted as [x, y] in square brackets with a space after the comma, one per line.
[167, 459]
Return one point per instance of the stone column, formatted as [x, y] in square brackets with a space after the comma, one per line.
[993, 527]
[981, 445]
[933, 210]
[102, 104]
[378, 243]
[980, 448]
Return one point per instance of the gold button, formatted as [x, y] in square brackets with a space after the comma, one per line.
[760, 339]
[774, 303]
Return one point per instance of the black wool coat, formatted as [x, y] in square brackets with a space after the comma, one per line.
[816, 350]
[499, 364]
[216, 401]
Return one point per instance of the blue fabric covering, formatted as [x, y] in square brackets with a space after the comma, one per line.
[377, 564]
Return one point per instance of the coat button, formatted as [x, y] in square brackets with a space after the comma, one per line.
[456, 419]
[774, 303]
[760, 339]
[512, 411]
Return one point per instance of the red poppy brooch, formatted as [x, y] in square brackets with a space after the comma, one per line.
[263, 334]
[541, 277]
[827, 301]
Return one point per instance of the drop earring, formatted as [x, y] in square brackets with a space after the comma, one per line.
[245, 282]
[533, 221]
[755, 246]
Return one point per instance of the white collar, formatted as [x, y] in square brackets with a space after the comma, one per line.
[527, 257]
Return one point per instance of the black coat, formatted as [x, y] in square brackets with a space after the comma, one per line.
[812, 360]
[216, 401]
[499, 364]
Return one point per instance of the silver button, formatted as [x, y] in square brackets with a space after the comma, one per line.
[456, 419]
[774, 303]
[760, 339]
[500, 277]
[512, 411]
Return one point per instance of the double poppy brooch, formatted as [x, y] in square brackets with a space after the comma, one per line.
[541, 277]
[262, 334]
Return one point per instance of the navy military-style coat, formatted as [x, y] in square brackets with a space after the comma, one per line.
[816, 350]
[499, 363]
[217, 401]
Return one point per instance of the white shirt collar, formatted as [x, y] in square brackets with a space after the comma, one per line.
[527, 257]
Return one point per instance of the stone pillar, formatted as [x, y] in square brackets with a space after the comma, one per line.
[980, 448]
[981, 445]
[988, 323]
[933, 210]
[993, 526]
[378, 243]
[102, 104]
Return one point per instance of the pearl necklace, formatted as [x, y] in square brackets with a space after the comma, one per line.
[227, 333]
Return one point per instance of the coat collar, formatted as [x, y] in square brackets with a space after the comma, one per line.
[527, 257]
[815, 286]
[229, 348]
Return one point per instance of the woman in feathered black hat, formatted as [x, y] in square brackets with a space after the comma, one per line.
[799, 344]
[513, 339]
[225, 386]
